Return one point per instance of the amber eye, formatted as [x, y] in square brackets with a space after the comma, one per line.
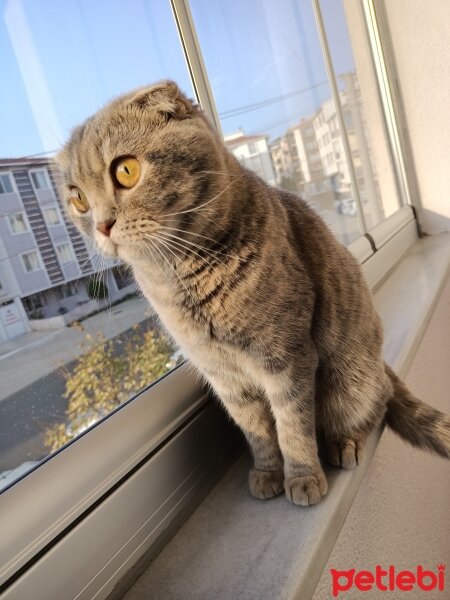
[78, 199]
[127, 171]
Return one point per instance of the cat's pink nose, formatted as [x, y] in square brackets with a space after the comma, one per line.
[105, 227]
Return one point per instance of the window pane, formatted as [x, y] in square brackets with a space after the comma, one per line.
[5, 184]
[64, 253]
[271, 88]
[40, 180]
[62, 62]
[52, 216]
[363, 115]
[31, 262]
[18, 224]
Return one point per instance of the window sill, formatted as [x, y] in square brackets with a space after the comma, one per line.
[236, 547]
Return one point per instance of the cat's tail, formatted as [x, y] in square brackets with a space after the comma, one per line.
[416, 422]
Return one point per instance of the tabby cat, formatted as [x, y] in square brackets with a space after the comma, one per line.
[271, 309]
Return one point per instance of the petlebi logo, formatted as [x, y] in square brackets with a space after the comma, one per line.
[386, 580]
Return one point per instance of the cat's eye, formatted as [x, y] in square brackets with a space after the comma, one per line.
[78, 199]
[127, 171]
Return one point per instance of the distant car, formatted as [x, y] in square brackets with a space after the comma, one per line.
[346, 206]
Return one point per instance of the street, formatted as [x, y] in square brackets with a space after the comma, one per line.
[32, 384]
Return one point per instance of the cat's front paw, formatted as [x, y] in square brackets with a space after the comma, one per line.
[265, 484]
[306, 489]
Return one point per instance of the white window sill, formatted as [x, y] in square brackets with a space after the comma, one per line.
[236, 547]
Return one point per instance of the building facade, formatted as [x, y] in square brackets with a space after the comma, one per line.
[253, 152]
[46, 268]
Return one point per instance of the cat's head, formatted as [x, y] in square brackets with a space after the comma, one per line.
[145, 162]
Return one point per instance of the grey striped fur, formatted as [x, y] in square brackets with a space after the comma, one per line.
[270, 308]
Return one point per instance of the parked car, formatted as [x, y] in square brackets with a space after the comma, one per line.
[346, 206]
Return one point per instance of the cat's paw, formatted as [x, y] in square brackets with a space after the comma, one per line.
[306, 489]
[265, 484]
[346, 453]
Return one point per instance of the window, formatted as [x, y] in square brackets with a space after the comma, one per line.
[5, 184]
[18, 223]
[34, 304]
[65, 253]
[363, 118]
[252, 148]
[118, 54]
[46, 76]
[40, 179]
[67, 290]
[267, 102]
[31, 261]
[122, 277]
[51, 215]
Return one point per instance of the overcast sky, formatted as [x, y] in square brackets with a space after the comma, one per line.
[62, 59]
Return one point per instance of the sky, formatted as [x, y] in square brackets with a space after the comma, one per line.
[61, 60]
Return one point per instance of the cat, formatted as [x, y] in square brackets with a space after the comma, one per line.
[270, 308]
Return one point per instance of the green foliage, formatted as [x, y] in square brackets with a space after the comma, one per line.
[104, 377]
[96, 289]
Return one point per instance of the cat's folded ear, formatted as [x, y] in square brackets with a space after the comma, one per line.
[165, 98]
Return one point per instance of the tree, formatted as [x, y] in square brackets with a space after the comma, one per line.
[96, 289]
[105, 376]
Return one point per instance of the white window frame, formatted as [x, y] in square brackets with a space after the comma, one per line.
[10, 175]
[46, 175]
[25, 218]
[42, 520]
[54, 206]
[59, 246]
[41, 266]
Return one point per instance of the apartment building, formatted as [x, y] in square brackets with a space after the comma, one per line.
[310, 159]
[253, 152]
[45, 264]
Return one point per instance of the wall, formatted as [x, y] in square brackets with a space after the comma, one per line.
[421, 41]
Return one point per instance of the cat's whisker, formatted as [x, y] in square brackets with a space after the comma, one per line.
[196, 234]
[171, 266]
[178, 245]
[216, 254]
[202, 206]
[191, 251]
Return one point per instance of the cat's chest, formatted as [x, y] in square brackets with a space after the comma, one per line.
[193, 335]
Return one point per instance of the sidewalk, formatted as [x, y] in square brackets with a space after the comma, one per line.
[33, 355]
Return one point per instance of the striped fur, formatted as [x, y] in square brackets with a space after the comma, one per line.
[254, 288]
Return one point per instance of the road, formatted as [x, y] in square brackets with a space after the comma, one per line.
[32, 385]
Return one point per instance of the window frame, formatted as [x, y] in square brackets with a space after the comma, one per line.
[25, 219]
[42, 515]
[47, 177]
[41, 265]
[69, 245]
[10, 176]
[53, 205]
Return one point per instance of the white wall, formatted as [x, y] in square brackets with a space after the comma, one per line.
[421, 41]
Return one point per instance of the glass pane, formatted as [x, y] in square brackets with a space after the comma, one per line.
[5, 184]
[268, 77]
[71, 324]
[52, 216]
[17, 223]
[40, 180]
[363, 115]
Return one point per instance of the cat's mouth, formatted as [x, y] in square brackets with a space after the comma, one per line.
[107, 247]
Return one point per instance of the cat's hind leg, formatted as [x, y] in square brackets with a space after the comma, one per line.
[350, 404]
